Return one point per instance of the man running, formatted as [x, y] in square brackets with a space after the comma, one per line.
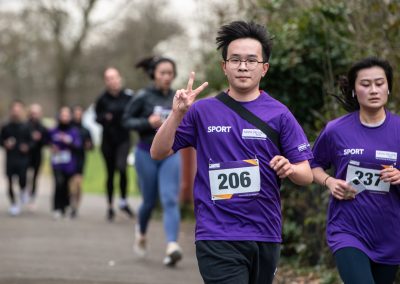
[240, 166]
[16, 139]
[39, 136]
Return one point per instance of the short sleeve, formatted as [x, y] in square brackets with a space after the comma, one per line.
[322, 151]
[295, 145]
[186, 134]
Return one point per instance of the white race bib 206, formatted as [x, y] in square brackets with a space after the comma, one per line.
[234, 178]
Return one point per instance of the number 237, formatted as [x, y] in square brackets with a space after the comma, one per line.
[368, 180]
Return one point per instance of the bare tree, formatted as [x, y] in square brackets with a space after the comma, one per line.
[67, 49]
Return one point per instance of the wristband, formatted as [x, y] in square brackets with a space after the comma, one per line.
[325, 180]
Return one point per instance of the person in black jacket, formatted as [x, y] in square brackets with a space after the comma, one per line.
[15, 137]
[115, 145]
[87, 145]
[145, 113]
[39, 138]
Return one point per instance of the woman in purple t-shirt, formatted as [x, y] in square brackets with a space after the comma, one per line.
[363, 224]
[65, 141]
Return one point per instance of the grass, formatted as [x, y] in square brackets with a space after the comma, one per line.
[95, 175]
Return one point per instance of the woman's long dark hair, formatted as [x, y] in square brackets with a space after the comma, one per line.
[149, 64]
[347, 83]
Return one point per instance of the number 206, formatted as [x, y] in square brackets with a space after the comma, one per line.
[234, 180]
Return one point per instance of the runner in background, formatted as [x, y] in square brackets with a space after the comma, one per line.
[115, 144]
[239, 166]
[87, 145]
[16, 139]
[145, 113]
[65, 141]
[39, 135]
[363, 148]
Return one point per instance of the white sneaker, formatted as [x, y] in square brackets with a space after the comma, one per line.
[173, 254]
[14, 210]
[57, 215]
[139, 246]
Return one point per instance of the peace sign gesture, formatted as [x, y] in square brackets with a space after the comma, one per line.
[184, 98]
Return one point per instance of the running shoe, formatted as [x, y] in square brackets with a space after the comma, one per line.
[139, 245]
[14, 210]
[110, 214]
[74, 213]
[174, 254]
[57, 215]
[127, 210]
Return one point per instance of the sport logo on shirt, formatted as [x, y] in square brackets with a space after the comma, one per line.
[353, 152]
[219, 128]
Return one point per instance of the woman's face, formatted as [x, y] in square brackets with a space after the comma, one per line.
[371, 88]
[164, 75]
[65, 115]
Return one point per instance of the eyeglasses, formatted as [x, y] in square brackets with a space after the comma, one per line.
[251, 63]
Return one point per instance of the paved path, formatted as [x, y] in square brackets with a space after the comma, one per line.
[35, 249]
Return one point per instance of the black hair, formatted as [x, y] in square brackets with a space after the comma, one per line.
[347, 83]
[240, 29]
[149, 64]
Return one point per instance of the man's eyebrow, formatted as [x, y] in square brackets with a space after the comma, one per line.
[249, 55]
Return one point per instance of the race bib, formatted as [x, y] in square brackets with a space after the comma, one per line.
[368, 174]
[235, 178]
[61, 157]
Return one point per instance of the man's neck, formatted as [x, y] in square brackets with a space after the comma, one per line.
[114, 93]
[246, 96]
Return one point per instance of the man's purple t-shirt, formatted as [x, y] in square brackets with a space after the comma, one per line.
[370, 222]
[219, 136]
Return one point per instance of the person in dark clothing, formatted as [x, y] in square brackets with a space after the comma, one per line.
[65, 142]
[16, 140]
[87, 144]
[39, 138]
[115, 145]
[144, 114]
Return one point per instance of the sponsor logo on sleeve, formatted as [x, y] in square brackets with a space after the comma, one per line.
[303, 147]
[386, 155]
[253, 134]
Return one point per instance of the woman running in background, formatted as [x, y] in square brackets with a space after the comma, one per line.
[145, 113]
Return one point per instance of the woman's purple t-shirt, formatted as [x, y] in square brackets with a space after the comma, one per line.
[370, 222]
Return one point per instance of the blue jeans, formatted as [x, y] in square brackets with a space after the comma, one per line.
[161, 177]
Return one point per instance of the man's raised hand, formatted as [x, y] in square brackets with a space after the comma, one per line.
[184, 98]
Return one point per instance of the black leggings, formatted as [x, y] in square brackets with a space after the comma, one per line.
[61, 193]
[34, 167]
[115, 157]
[22, 184]
[355, 267]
